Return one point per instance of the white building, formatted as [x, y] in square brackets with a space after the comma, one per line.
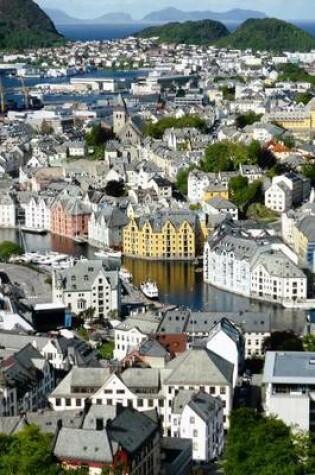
[7, 211]
[148, 388]
[278, 197]
[275, 277]
[199, 417]
[105, 227]
[197, 184]
[236, 262]
[37, 213]
[87, 285]
[289, 379]
[226, 340]
[218, 205]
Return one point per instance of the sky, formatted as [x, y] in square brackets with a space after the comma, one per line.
[286, 9]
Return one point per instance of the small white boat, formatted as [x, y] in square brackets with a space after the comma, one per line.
[150, 289]
[108, 254]
[125, 275]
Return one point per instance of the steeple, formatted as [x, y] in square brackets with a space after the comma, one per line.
[120, 114]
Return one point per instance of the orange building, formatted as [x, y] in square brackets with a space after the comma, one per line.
[69, 217]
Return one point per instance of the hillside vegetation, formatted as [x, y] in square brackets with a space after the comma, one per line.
[190, 32]
[24, 25]
[269, 34]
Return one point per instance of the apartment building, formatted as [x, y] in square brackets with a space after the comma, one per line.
[168, 235]
[87, 285]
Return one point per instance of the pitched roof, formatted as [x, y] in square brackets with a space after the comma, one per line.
[200, 366]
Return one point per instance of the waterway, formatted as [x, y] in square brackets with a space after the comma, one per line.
[178, 282]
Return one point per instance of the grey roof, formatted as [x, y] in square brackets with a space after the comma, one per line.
[84, 444]
[98, 412]
[221, 203]
[152, 347]
[131, 429]
[204, 405]
[141, 378]
[278, 264]
[146, 323]
[200, 366]
[289, 367]
[307, 227]
[82, 275]
[158, 220]
[174, 321]
[83, 378]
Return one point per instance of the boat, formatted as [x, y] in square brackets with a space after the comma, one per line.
[125, 275]
[108, 254]
[150, 289]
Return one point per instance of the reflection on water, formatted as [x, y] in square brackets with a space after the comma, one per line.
[178, 282]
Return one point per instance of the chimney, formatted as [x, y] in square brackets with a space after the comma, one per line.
[99, 424]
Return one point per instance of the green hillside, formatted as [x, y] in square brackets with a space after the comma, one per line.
[24, 25]
[269, 34]
[190, 32]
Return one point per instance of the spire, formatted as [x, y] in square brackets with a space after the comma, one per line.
[120, 103]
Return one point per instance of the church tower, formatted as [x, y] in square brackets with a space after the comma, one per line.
[120, 114]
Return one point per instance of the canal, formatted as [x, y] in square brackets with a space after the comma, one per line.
[178, 282]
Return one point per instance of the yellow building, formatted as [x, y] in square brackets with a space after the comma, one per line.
[216, 190]
[296, 120]
[166, 235]
[303, 236]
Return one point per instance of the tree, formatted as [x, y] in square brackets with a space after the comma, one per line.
[308, 171]
[8, 249]
[98, 136]
[260, 445]
[237, 184]
[182, 179]
[303, 97]
[157, 130]
[283, 341]
[27, 452]
[308, 342]
[115, 188]
[46, 129]
[248, 118]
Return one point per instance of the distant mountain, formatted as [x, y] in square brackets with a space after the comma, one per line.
[117, 18]
[189, 32]
[24, 24]
[173, 14]
[59, 17]
[166, 15]
[269, 34]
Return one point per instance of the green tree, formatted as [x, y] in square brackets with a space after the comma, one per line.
[98, 136]
[260, 445]
[182, 179]
[248, 118]
[308, 171]
[157, 130]
[8, 249]
[115, 188]
[228, 92]
[308, 342]
[283, 341]
[304, 97]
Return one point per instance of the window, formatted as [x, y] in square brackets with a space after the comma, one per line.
[58, 402]
[78, 402]
[150, 403]
[192, 420]
[195, 433]
[140, 402]
[222, 390]
[108, 391]
[120, 391]
[68, 402]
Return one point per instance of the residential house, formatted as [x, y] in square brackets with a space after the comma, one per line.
[27, 379]
[87, 285]
[290, 388]
[105, 227]
[128, 441]
[199, 416]
[70, 217]
[7, 211]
